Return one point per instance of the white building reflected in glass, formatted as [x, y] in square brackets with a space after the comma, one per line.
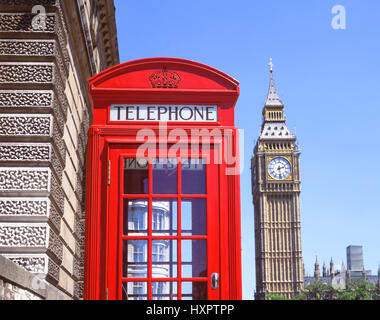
[147, 234]
[164, 252]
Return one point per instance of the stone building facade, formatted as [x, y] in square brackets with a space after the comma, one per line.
[343, 279]
[340, 278]
[276, 188]
[48, 51]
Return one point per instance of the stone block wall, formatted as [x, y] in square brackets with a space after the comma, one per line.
[9, 291]
[48, 50]
[16, 283]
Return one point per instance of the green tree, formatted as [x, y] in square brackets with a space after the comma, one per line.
[358, 290]
[274, 296]
[317, 290]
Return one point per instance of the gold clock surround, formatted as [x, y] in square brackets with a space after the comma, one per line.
[270, 158]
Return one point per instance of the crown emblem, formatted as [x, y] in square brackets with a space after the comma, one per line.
[165, 79]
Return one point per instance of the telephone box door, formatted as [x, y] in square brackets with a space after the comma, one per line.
[163, 238]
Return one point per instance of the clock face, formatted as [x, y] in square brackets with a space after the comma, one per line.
[279, 168]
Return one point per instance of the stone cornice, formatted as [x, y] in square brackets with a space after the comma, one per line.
[106, 10]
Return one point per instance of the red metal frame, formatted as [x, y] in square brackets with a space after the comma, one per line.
[118, 153]
[128, 84]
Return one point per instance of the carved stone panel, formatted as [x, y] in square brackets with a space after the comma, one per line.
[30, 237]
[23, 235]
[77, 270]
[22, 22]
[25, 152]
[78, 289]
[26, 125]
[45, 3]
[25, 179]
[55, 218]
[55, 245]
[39, 264]
[79, 226]
[53, 271]
[79, 250]
[26, 98]
[57, 194]
[27, 48]
[56, 164]
[59, 144]
[24, 207]
[34, 263]
[35, 73]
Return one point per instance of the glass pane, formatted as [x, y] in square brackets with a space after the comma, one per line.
[164, 291]
[135, 262]
[135, 291]
[164, 217]
[136, 172]
[194, 290]
[193, 220]
[165, 176]
[194, 258]
[164, 258]
[135, 218]
[193, 176]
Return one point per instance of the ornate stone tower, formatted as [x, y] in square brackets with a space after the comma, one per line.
[276, 190]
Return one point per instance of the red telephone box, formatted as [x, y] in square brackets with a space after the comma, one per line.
[163, 184]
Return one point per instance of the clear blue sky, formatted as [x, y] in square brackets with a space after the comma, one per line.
[329, 81]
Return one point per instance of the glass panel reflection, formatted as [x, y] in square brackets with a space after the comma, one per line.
[164, 217]
[194, 258]
[135, 217]
[194, 290]
[165, 176]
[193, 220]
[135, 258]
[136, 172]
[164, 258]
[164, 291]
[134, 291]
[193, 173]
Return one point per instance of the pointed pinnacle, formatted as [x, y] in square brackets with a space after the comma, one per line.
[273, 99]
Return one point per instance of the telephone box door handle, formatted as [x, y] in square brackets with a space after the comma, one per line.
[215, 281]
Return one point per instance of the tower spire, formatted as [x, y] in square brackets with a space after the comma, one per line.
[273, 99]
[316, 269]
[274, 126]
[332, 271]
[348, 276]
[324, 270]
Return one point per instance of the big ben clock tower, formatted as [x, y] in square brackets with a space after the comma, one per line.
[276, 190]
